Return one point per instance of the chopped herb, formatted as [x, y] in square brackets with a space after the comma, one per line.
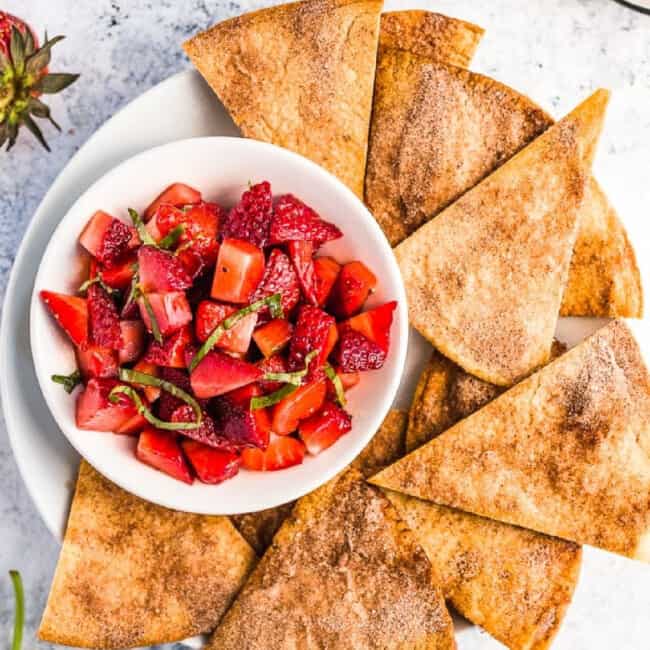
[69, 382]
[143, 233]
[171, 238]
[294, 378]
[338, 384]
[19, 611]
[155, 328]
[96, 280]
[272, 398]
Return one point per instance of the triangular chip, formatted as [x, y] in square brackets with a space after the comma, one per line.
[132, 573]
[299, 75]
[565, 452]
[484, 279]
[437, 130]
[343, 572]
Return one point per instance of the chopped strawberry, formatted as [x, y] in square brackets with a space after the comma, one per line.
[103, 319]
[348, 379]
[95, 412]
[324, 428]
[211, 465]
[119, 275]
[301, 253]
[273, 337]
[295, 221]
[206, 433]
[168, 403]
[70, 312]
[351, 289]
[312, 332]
[279, 277]
[171, 353]
[332, 338]
[171, 311]
[241, 425]
[354, 352]
[201, 225]
[161, 271]
[177, 194]
[210, 314]
[239, 270]
[326, 270]
[161, 450]
[106, 238]
[300, 404]
[374, 324]
[132, 336]
[250, 219]
[192, 262]
[133, 426]
[276, 363]
[282, 451]
[152, 393]
[96, 361]
[219, 373]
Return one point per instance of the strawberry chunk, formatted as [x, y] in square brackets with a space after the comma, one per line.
[96, 361]
[95, 412]
[312, 332]
[273, 337]
[161, 271]
[354, 352]
[293, 220]
[250, 219]
[211, 465]
[206, 433]
[324, 428]
[168, 403]
[171, 353]
[301, 253]
[70, 312]
[219, 373]
[200, 227]
[152, 393]
[103, 319]
[239, 270]
[171, 311]
[279, 277]
[160, 450]
[351, 289]
[106, 238]
[132, 337]
[119, 275]
[326, 270]
[300, 404]
[374, 324]
[276, 363]
[210, 314]
[133, 426]
[282, 451]
[241, 425]
[177, 194]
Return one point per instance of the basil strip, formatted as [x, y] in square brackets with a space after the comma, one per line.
[96, 280]
[19, 612]
[143, 233]
[171, 238]
[274, 303]
[155, 328]
[294, 378]
[272, 398]
[338, 384]
[69, 382]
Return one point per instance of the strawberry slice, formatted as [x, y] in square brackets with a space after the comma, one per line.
[276, 363]
[160, 450]
[70, 312]
[282, 451]
[279, 277]
[119, 275]
[171, 353]
[161, 271]
[326, 270]
[152, 393]
[374, 324]
[250, 219]
[324, 428]
[211, 465]
[95, 412]
[273, 337]
[312, 332]
[351, 289]
[171, 311]
[107, 239]
[132, 337]
[239, 270]
[103, 319]
[354, 352]
[300, 404]
[177, 194]
[96, 361]
[210, 314]
[293, 220]
[301, 253]
[219, 373]
[242, 426]
[206, 433]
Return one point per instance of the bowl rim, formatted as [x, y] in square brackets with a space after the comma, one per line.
[398, 347]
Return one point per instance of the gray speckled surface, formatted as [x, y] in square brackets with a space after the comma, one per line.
[555, 50]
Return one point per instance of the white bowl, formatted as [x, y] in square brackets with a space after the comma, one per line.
[221, 168]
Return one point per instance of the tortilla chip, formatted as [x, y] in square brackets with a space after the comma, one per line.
[300, 76]
[484, 279]
[566, 452]
[258, 528]
[343, 572]
[431, 35]
[132, 573]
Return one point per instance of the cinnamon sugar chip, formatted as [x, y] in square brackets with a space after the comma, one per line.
[132, 573]
[343, 572]
[565, 452]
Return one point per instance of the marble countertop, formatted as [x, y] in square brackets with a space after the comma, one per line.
[554, 50]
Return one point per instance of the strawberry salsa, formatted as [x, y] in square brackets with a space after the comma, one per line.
[219, 338]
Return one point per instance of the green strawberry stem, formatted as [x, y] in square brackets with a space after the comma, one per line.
[294, 378]
[338, 385]
[69, 382]
[272, 398]
[19, 614]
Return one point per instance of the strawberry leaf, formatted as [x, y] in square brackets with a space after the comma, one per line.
[41, 58]
[56, 82]
[35, 130]
[17, 50]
